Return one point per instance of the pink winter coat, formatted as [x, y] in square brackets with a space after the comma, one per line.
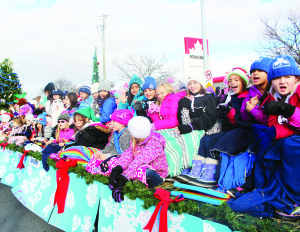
[167, 118]
[65, 134]
[150, 152]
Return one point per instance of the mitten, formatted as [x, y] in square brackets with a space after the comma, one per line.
[225, 109]
[264, 135]
[279, 108]
[184, 129]
[139, 109]
[117, 192]
[114, 175]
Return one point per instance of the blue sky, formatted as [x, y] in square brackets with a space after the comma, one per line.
[49, 39]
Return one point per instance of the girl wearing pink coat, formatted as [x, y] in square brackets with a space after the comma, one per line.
[165, 116]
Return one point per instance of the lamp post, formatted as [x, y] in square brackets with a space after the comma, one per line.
[204, 38]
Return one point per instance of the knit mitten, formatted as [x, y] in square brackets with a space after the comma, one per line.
[264, 135]
[225, 108]
[279, 108]
[184, 129]
[117, 192]
[114, 175]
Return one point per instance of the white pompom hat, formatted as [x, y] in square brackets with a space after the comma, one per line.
[139, 127]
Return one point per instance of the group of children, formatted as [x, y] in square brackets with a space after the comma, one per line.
[114, 133]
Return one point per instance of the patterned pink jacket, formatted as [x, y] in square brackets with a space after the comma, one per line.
[150, 152]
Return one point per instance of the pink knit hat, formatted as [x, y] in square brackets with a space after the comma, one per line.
[122, 116]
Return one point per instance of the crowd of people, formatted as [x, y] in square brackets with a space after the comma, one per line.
[250, 148]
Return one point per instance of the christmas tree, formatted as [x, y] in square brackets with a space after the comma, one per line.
[9, 84]
[95, 68]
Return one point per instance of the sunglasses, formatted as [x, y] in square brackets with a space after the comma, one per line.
[61, 121]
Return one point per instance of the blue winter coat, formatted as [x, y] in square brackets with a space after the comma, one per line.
[108, 107]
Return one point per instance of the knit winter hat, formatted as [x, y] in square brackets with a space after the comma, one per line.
[181, 85]
[241, 72]
[283, 66]
[122, 116]
[42, 119]
[150, 83]
[106, 85]
[89, 113]
[120, 91]
[64, 94]
[94, 87]
[57, 92]
[136, 80]
[139, 127]
[85, 89]
[263, 63]
[29, 117]
[5, 118]
[197, 78]
[49, 87]
[64, 116]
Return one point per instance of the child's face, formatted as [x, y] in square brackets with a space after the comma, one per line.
[149, 93]
[15, 124]
[27, 122]
[134, 89]
[161, 93]
[63, 124]
[55, 97]
[67, 101]
[117, 126]
[83, 95]
[103, 93]
[259, 77]
[194, 86]
[95, 95]
[117, 100]
[79, 122]
[284, 85]
[39, 126]
[235, 84]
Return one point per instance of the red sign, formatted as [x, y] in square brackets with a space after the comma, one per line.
[208, 75]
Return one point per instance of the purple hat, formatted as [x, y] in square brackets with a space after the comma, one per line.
[122, 116]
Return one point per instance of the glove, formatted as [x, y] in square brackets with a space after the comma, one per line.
[184, 129]
[279, 108]
[225, 109]
[264, 135]
[138, 107]
[114, 175]
[117, 192]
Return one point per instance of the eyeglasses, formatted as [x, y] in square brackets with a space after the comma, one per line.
[61, 121]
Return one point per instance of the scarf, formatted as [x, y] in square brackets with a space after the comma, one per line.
[116, 140]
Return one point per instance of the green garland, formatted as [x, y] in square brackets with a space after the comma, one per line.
[221, 214]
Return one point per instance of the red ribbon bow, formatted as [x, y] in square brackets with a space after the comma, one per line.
[21, 164]
[62, 180]
[4, 145]
[164, 197]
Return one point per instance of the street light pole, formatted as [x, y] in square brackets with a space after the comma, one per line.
[102, 35]
[204, 38]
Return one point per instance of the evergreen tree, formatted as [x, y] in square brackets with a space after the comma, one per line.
[9, 84]
[95, 68]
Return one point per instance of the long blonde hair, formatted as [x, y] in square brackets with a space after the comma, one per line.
[57, 133]
[134, 142]
[168, 87]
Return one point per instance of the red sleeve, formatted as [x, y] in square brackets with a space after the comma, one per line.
[231, 117]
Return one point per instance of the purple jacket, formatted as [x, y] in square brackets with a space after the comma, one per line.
[255, 115]
[150, 152]
[167, 118]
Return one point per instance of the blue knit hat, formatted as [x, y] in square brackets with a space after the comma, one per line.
[57, 92]
[283, 66]
[263, 63]
[136, 80]
[85, 89]
[150, 83]
[42, 119]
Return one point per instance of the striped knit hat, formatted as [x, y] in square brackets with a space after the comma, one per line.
[242, 72]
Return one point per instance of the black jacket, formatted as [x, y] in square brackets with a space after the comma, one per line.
[201, 116]
[92, 136]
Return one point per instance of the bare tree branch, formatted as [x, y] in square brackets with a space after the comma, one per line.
[280, 38]
[64, 84]
[143, 66]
